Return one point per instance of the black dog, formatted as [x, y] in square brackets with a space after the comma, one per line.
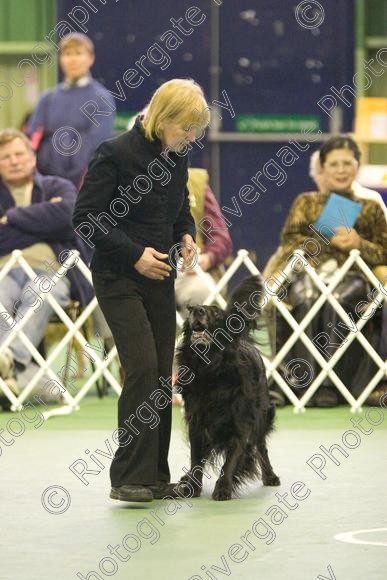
[227, 404]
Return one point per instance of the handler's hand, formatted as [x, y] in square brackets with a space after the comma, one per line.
[189, 253]
[346, 241]
[151, 266]
[204, 261]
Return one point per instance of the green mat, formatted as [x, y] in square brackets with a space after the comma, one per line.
[98, 413]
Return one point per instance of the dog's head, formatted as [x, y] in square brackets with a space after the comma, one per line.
[201, 322]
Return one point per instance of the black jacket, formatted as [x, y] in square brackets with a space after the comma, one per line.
[120, 169]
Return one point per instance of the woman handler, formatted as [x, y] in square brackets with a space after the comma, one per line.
[134, 208]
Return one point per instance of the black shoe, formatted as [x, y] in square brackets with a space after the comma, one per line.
[5, 403]
[132, 493]
[163, 489]
[326, 397]
[375, 398]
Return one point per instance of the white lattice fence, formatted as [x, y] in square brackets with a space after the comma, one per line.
[272, 366]
[298, 329]
[72, 402]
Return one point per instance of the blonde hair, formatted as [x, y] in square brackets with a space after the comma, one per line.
[78, 39]
[9, 135]
[180, 101]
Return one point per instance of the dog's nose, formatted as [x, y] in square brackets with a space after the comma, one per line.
[198, 327]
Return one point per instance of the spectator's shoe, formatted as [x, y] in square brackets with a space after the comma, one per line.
[326, 397]
[5, 403]
[137, 493]
[7, 364]
[375, 398]
[161, 490]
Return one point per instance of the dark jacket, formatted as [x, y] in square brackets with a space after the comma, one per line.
[121, 168]
[43, 221]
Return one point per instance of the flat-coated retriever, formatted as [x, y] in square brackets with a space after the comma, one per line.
[226, 395]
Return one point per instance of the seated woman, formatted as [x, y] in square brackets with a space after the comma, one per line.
[361, 192]
[339, 159]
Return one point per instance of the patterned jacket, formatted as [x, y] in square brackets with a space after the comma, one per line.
[371, 226]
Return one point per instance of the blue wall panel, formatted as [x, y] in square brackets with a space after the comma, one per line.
[259, 226]
[269, 65]
[124, 31]
[272, 65]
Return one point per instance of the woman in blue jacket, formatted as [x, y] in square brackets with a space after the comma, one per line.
[133, 209]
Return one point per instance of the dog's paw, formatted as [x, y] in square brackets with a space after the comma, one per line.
[271, 480]
[188, 489]
[221, 494]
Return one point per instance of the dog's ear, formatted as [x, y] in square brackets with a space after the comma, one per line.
[189, 307]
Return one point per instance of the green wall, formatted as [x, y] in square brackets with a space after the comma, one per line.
[371, 35]
[375, 17]
[23, 20]
[27, 61]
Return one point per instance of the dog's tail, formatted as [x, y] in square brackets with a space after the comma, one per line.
[247, 301]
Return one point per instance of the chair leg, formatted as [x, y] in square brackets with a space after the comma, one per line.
[67, 364]
[73, 313]
[104, 387]
[101, 391]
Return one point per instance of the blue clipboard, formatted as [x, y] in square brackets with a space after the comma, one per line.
[339, 211]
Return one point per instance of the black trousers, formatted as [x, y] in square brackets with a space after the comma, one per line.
[142, 318]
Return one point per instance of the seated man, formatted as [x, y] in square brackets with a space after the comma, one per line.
[71, 105]
[339, 159]
[36, 213]
[214, 247]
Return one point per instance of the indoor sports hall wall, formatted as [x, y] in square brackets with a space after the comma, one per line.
[274, 68]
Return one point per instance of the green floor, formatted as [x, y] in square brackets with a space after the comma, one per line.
[192, 540]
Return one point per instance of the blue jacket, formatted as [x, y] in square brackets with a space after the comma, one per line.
[68, 152]
[43, 221]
